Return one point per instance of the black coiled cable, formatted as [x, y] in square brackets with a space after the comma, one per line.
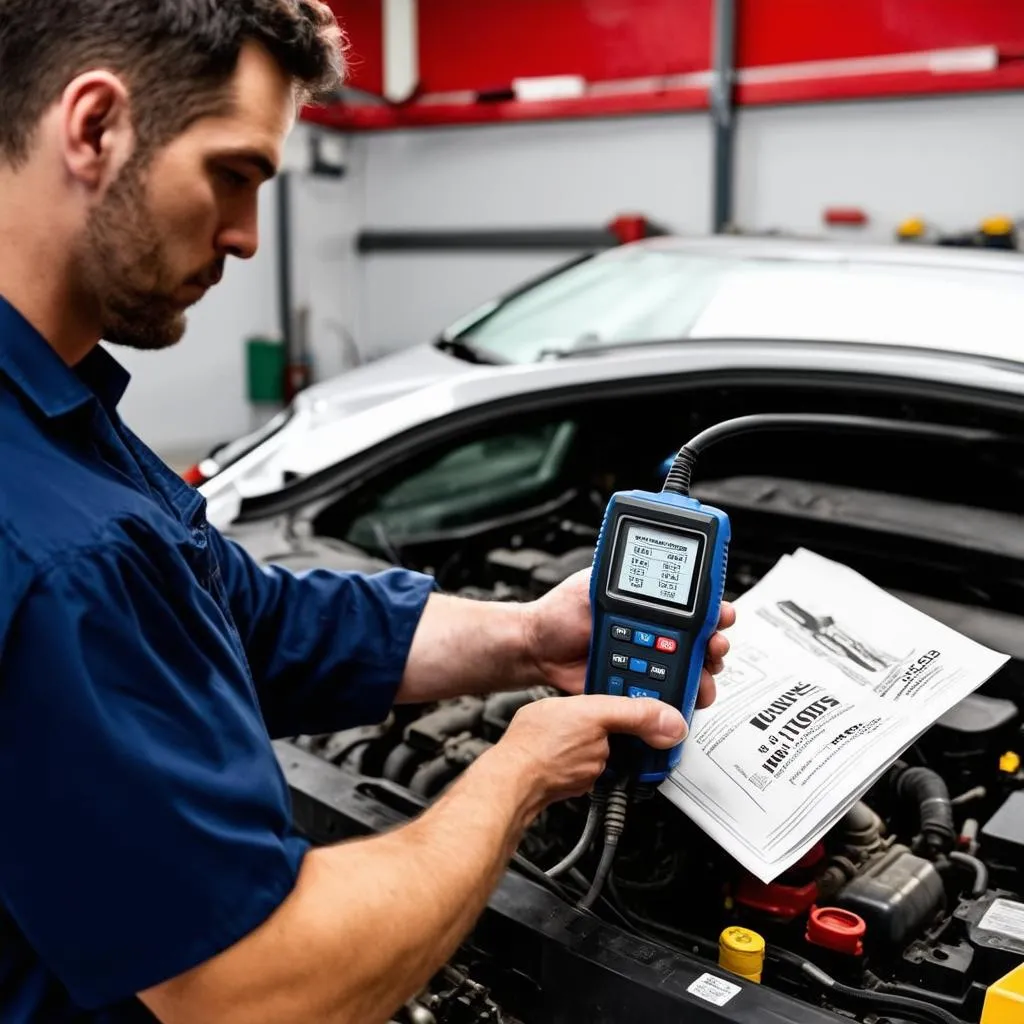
[678, 479]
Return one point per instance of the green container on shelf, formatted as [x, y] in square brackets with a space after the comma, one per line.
[265, 362]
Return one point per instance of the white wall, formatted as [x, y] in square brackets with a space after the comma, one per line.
[952, 160]
[573, 174]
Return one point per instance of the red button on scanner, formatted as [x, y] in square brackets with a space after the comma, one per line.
[665, 644]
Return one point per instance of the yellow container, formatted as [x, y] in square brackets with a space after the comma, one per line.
[741, 952]
[1004, 1001]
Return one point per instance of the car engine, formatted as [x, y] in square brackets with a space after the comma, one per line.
[908, 910]
[910, 907]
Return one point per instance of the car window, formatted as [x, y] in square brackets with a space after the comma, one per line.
[651, 295]
[462, 484]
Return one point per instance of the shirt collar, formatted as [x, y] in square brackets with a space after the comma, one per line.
[55, 388]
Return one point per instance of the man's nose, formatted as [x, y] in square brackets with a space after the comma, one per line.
[241, 239]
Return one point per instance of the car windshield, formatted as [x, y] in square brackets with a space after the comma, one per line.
[644, 295]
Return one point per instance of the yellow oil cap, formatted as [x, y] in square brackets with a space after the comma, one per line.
[1000, 225]
[1010, 762]
[1004, 1001]
[741, 951]
[912, 227]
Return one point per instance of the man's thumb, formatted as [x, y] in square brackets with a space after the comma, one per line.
[654, 721]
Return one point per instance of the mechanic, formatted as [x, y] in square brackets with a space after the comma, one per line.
[147, 863]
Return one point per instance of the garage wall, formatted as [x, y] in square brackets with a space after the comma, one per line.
[571, 174]
[952, 161]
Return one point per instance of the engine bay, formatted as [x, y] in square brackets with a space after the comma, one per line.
[914, 902]
[931, 860]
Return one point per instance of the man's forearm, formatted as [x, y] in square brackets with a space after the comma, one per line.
[464, 646]
[370, 921]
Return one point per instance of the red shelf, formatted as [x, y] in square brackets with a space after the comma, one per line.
[819, 90]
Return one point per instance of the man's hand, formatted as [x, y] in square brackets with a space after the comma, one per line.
[559, 746]
[558, 625]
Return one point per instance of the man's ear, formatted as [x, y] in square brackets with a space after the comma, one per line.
[96, 128]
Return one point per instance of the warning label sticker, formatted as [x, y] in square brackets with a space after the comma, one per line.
[1004, 917]
[714, 990]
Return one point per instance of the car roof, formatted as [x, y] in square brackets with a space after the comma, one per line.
[826, 250]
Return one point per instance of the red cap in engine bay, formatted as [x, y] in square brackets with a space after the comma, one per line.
[840, 931]
[788, 897]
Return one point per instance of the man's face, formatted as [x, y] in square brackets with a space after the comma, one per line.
[160, 236]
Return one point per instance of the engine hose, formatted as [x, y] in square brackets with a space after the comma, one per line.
[597, 802]
[904, 1006]
[975, 865]
[929, 792]
[401, 763]
[430, 778]
[614, 824]
[900, 1006]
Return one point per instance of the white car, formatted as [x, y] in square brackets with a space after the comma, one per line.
[488, 459]
[653, 309]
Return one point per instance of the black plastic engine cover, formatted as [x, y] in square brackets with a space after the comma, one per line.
[898, 895]
[961, 742]
[1002, 837]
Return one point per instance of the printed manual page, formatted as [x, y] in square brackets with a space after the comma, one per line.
[829, 680]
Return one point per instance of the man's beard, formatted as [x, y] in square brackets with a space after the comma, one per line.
[123, 267]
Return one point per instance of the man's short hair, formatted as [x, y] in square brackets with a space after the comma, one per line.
[176, 56]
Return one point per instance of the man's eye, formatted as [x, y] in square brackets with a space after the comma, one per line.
[233, 178]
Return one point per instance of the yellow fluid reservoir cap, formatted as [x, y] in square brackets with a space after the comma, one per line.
[1010, 762]
[1000, 225]
[1004, 1001]
[741, 951]
[912, 227]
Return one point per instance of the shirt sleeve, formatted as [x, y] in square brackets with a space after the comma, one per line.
[145, 817]
[327, 649]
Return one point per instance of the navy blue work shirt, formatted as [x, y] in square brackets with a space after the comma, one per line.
[145, 663]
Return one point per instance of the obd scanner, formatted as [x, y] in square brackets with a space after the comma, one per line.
[656, 594]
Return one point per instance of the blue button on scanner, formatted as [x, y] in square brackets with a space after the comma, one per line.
[638, 665]
[639, 691]
[615, 684]
[643, 639]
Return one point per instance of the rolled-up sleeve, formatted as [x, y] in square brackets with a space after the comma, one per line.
[145, 817]
[327, 650]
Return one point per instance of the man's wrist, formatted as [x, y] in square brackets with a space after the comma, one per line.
[528, 670]
[504, 770]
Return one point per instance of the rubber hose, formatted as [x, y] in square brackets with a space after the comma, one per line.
[979, 869]
[902, 1006]
[430, 778]
[929, 791]
[401, 763]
